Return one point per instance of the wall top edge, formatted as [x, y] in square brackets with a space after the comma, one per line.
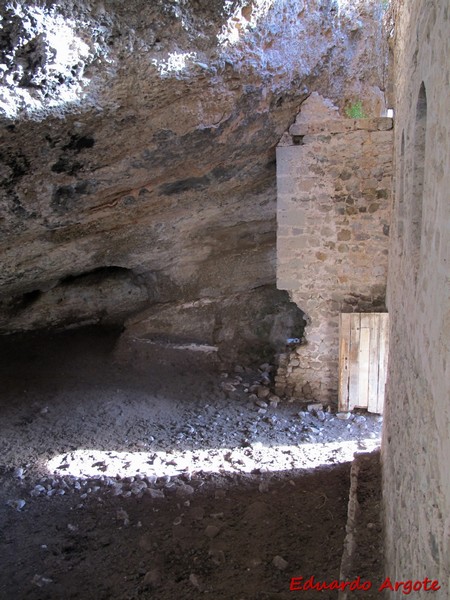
[341, 126]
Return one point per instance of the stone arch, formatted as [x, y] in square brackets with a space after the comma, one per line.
[400, 187]
[420, 126]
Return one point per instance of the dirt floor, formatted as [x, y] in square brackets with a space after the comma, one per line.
[163, 482]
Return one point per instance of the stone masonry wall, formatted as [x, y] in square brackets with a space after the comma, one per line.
[416, 436]
[333, 210]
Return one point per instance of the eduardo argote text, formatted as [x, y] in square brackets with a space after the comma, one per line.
[409, 586]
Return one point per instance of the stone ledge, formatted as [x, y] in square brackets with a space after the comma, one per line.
[341, 126]
[363, 545]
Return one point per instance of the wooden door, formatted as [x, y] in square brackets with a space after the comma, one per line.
[363, 353]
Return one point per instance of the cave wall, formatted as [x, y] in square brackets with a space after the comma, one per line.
[245, 327]
[334, 200]
[416, 441]
[137, 141]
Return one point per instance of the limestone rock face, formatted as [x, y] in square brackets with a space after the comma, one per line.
[239, 326]
[105, 296]
[137, 146]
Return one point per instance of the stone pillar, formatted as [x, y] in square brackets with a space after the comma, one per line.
[333, 208]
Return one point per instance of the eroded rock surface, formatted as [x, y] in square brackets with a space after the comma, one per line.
[140, 138]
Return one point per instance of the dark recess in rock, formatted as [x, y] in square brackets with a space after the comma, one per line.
[221, 173]
[65, 165]
[79, 143]
[184, 185]
[95, 276]
[65, 197]
[17, 162]
[26, 300]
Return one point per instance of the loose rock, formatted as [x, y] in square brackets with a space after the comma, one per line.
[280, 563]
[217, 556]
[194, 580]
[321, 415]
[122, 515]
[212, 531]
[17, 504]
[197, 513]
[262, 392]
[155, 493]
[18, 473]
[312, 408]
[344, 416]
[152, 578]
[183, 491]
[40, 580]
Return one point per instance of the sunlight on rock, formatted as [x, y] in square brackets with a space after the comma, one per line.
[44, 61]
[242, 19]
[175, 62]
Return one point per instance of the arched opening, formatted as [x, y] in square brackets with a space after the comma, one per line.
[401, 192]
[418, 177]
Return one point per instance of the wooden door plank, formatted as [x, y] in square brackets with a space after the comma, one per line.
[363, 362]
[353, 360]
[383, 359]
[372, 405]
[344, 350]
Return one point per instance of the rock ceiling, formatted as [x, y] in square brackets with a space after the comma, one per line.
[137, 146]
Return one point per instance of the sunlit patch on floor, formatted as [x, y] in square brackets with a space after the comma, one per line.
[94, 463]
